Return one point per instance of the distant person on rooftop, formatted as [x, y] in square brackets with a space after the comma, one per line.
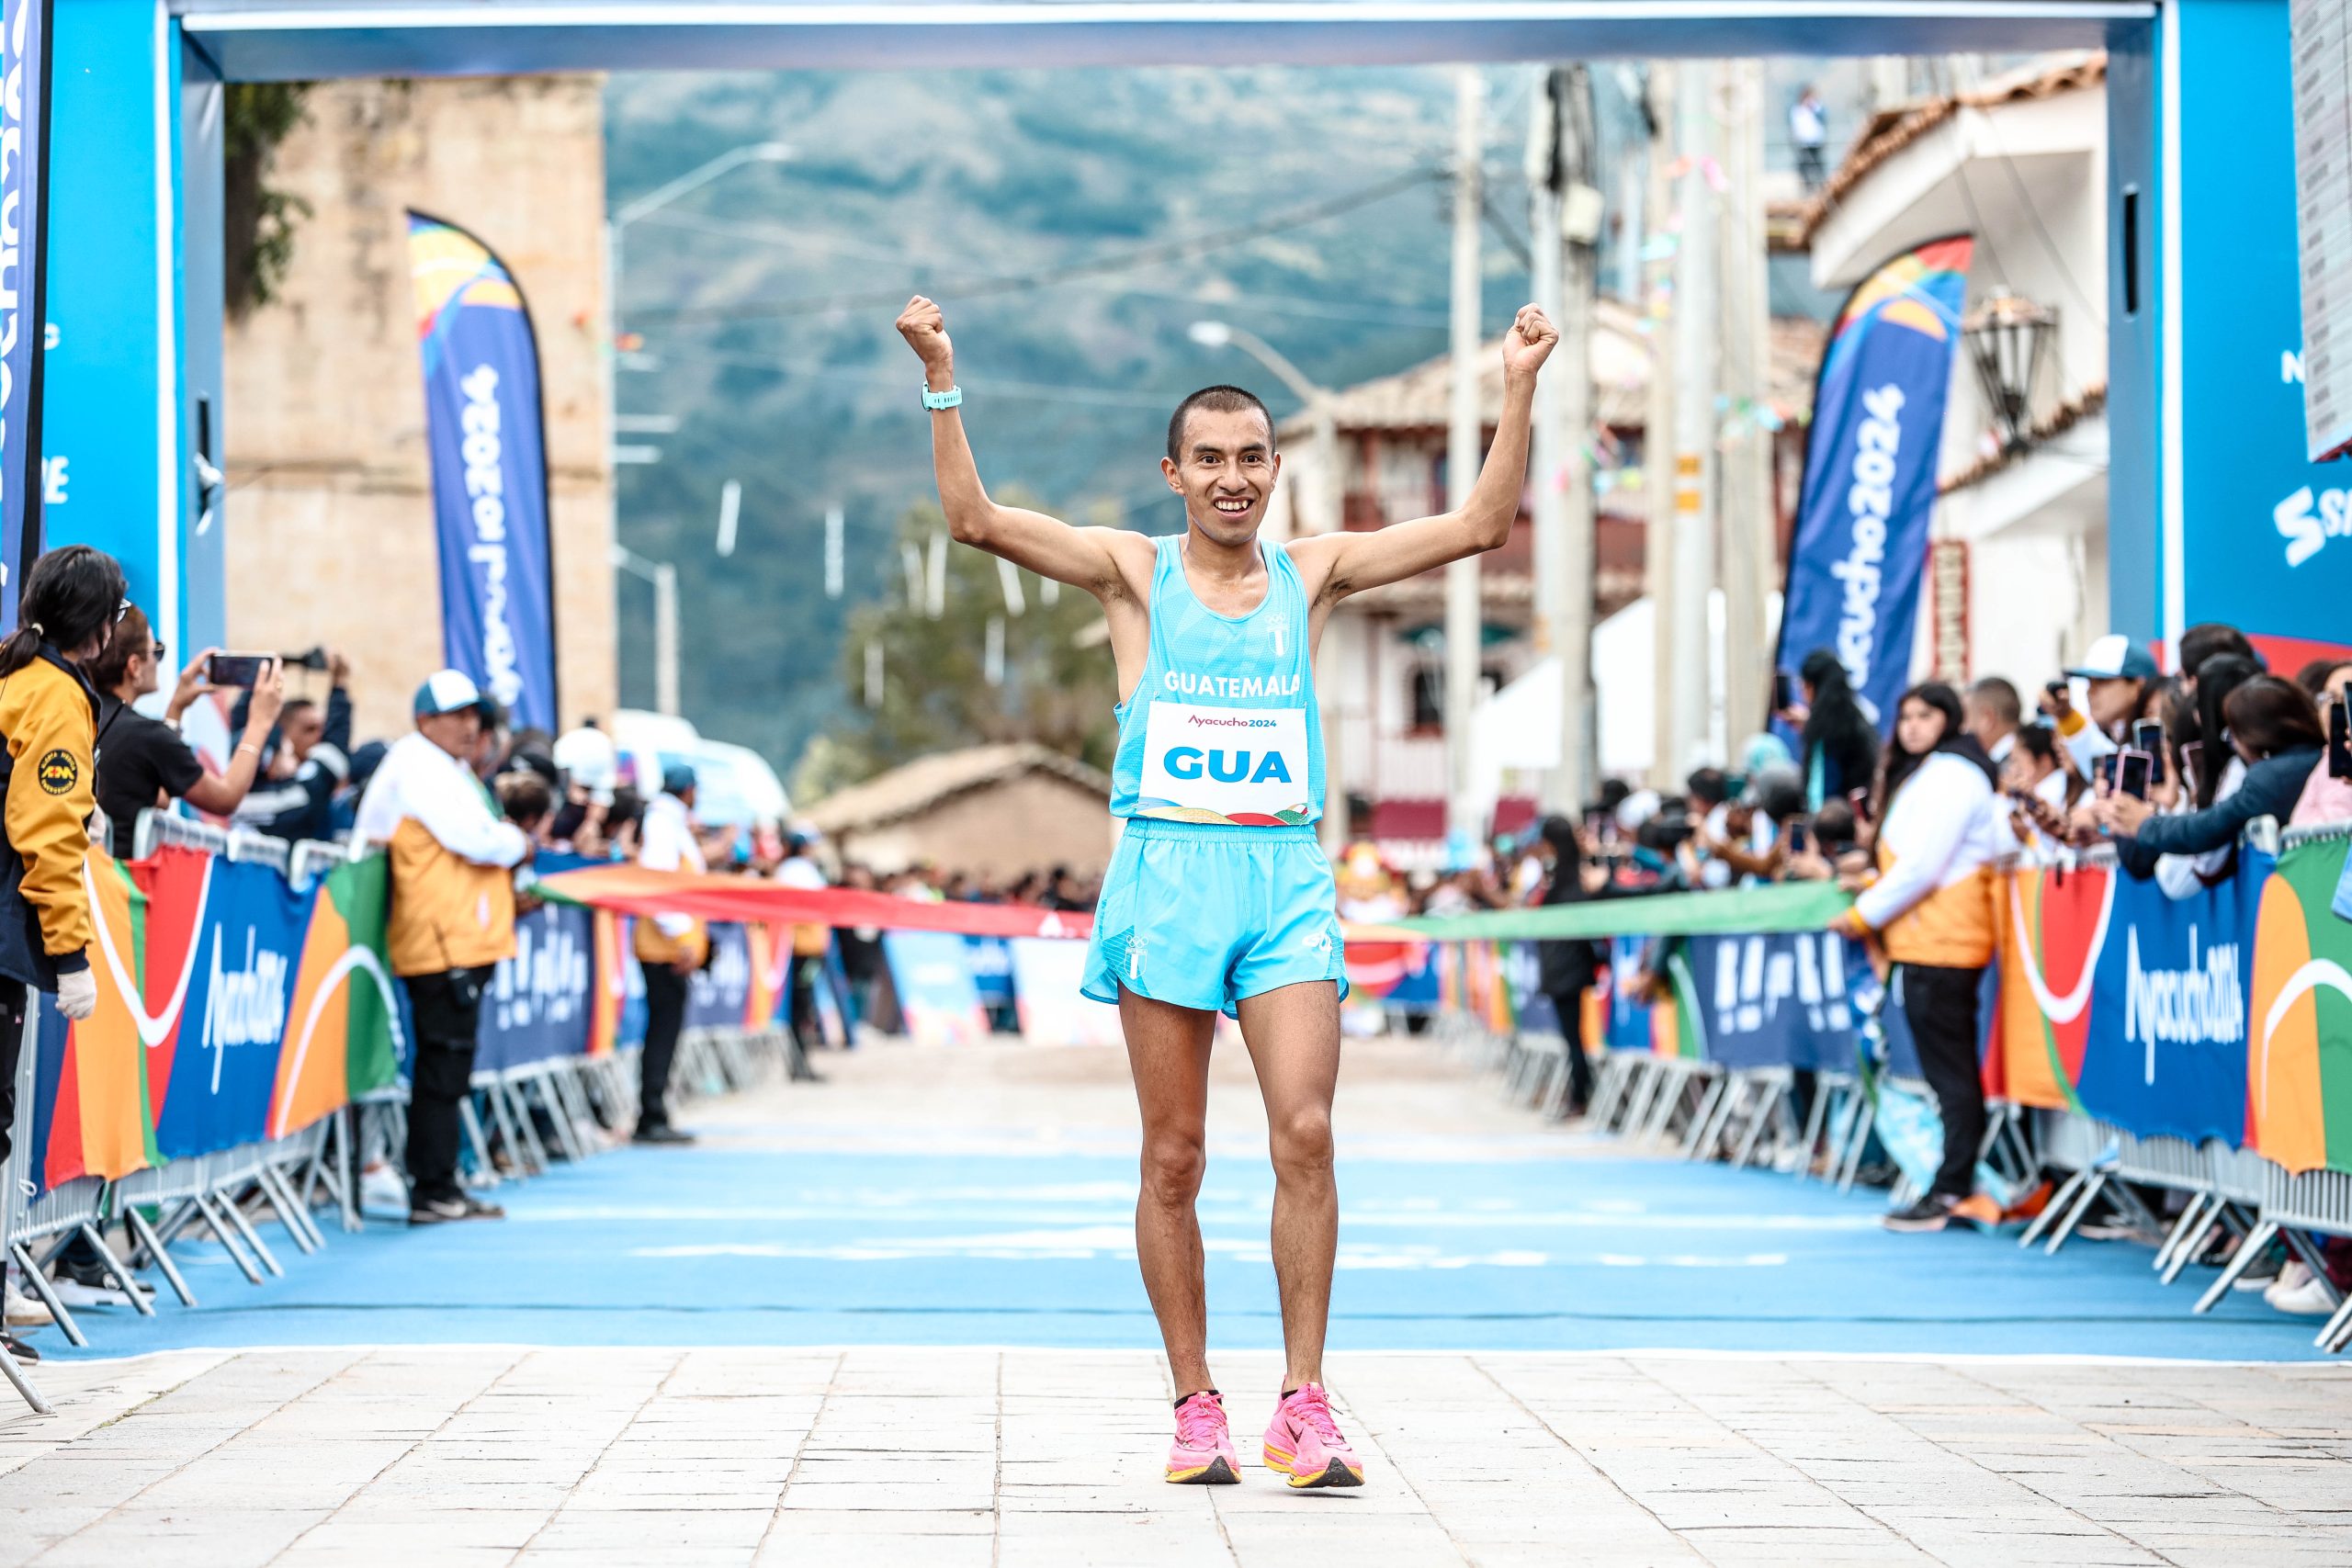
[1809, 133]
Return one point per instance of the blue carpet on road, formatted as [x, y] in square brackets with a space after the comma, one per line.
[739, 1246]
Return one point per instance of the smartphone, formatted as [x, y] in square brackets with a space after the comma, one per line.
[2103, 772]
[2132, 771]
[1785, 691]
[2339, 738]
[2192, 766]
[2059, 688]
[1800, 839]
[237, 668]
[2148, 735]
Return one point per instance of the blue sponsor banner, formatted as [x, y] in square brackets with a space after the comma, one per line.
[248, 943]
[991, 961]
[2265, 532]
[1628, 1024]
[24, 142]
[538, 1003]
[1531, 1010]
[933, 977]
[490, 479]
[1870, 473]
[721, 991]
[2168, 1053]
[1784, 999]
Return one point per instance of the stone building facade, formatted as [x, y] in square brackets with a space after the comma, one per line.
[329, 507]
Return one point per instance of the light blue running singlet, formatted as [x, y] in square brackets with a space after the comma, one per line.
[1223, 727]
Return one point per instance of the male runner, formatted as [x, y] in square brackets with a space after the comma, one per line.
[1219, 897]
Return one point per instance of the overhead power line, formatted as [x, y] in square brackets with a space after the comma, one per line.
[1157, 254]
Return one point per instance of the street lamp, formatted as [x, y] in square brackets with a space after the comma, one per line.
[1324, 516]
[661, 574]
[2007, 338]
[664, 578]
[653, 201]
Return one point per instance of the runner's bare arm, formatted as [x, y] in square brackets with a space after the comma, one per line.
[1083, 558]
[1336, 565]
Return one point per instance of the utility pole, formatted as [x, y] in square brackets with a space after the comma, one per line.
[1463, 448]
[1564, 214]
[1750, 538]
[1658, 443]
[1693, 474]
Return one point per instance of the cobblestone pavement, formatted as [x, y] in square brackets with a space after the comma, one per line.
[383, 1445]
[965, 1456]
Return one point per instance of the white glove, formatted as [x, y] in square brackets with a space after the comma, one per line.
[77, 993]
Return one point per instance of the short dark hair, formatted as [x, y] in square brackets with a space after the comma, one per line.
[1216, 399]
[1998, 698]
[1708, 785]
[2207, 639]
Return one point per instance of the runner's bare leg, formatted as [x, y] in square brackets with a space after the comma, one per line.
[1294, 1038]
[1168, 1048]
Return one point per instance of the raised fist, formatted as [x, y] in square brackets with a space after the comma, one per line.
[925, 330]
[1526, 346]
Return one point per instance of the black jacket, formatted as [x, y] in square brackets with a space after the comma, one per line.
[1564, 968]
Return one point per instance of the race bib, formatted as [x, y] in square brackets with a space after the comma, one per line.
[1203, 765]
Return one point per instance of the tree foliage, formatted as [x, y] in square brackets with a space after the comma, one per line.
[1059, 688]
[258, 220]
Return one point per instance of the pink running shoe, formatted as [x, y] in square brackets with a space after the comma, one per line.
[1304, 1443]
[1203, 1453]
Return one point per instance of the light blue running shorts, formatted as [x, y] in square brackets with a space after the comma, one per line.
[1204, 914]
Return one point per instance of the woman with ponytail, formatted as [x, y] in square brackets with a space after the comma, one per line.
[48, 766]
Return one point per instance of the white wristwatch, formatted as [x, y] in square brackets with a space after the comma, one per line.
[952, 397]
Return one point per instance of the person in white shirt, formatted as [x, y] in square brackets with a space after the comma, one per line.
[670, 948]
[452, 919]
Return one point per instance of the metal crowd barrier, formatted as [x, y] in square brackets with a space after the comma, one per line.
[1708, 1111]
[572, 1096]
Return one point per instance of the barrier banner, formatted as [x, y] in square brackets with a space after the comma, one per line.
[250, 934]
[538, 1002]
[933, 977]
[1631, 1021]
[991, 961]
[345, 1036]
[1770, 1000]
[90, 1078]
[486, 426]
[24, 232]
[718, 992]
[767, 952]
[619, 985]
[1860, 545]
[2124, 1004]
[2299, 1066]
[1397, 977]
[1045, 979]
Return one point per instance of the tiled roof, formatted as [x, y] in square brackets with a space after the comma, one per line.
[923, 783]
[1893, 129]
[2083, 405]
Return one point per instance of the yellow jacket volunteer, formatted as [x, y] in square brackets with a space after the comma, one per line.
[48, 770]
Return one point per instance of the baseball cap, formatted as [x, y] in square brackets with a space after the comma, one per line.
[2116, 657]
[450, 691]
[678, 778]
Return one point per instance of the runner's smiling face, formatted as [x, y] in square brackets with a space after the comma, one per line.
[1227, 473]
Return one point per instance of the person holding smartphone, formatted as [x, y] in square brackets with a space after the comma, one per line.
[142, 761]
[2276, 733]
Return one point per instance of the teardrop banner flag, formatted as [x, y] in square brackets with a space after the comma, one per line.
[487, 432]
[1869, 472]
[24, 225]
